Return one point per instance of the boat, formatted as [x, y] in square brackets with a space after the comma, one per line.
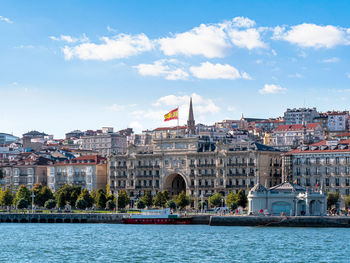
[156, 217]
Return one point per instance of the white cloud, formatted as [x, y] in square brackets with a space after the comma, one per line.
[69, 39]
[208, 70]
[208, 40]
[272, 89]
[331, 60]
[165, 68]
[136, 125]
[116, 107]
[5, 19]
[241, 21]
[121, 46]
[311, 35]
[249, 38]
[348, 75]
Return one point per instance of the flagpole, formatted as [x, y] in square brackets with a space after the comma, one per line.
[178, 117]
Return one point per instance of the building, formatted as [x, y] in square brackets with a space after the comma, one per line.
[74, 134]
[286, 198]
[338, 121]
[89, 171]
[328, 160]
[35, 140]
[105, 142]
[297, 116]
[28, 172]
[6, 139]
[287, 137]
[198, 165]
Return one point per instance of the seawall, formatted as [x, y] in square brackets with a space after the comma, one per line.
[298, 221]
[61, 218]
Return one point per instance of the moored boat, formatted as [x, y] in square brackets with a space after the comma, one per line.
[157, 217]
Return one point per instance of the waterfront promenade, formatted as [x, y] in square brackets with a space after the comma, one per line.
[212, 220]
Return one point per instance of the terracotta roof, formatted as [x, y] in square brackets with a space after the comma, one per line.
[297, 127]
[170, 128]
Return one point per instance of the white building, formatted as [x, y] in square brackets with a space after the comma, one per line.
[338, 121]
[288, 199]
[297, 116]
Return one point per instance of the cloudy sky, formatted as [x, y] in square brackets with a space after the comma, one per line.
[68, 65]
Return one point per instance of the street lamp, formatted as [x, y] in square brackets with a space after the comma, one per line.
[33, 195]
[116, 201]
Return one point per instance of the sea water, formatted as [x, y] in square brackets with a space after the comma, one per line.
[170, 243]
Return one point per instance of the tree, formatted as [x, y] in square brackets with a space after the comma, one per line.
[347, 201]
[69, 194]
[332, 199]
[93, 195]
[22, 203]
[215, 199]
[110, 205]
[231, 201]
[85, 195]
[50, 204]
[42, 194]
[161, 199]
[23, 193]
[147, 199]
[140, 204]
[171, 204]
[241, 199]
[61, 200]
[123, 199]
[7, 197]
[101, 198]
[81, 204]
[182, 200]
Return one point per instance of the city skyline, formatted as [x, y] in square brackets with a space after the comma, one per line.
[85, 65]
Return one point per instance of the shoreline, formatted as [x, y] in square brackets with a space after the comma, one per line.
[211, 220]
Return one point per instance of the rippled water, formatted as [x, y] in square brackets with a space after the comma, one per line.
[159, 243]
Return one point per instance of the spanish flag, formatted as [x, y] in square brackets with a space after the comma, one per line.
[172, 115]
[295, 181]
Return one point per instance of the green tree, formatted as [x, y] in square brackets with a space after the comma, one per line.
[232, 201]
[171, 204]
[23, 193]
[110, 205]
[93, 195]
[70, 194]
[42, 195]
[22, 203]
[85, 195]
[347, 201]
[7, 197]
[101, 198]
[215, 199]
[147, 199]
[81, 204]
[50, 204]
[61, 200]
[241, 199]
[123, 199]
[332, 199]
[158, 200]
[182, 200]
[140, 204]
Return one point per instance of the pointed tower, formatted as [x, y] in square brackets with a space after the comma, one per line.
[191, 125]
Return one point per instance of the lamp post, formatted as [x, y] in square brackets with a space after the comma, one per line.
[33, 195]
[116, 201]
[202, 203]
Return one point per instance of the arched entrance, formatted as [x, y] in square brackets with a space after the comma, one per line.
[175, 184]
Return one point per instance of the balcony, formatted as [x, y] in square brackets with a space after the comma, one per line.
[122, 167]
[206, 165]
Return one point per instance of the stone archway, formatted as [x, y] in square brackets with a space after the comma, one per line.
[175, 184]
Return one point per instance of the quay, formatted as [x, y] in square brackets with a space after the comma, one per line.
[109, 218]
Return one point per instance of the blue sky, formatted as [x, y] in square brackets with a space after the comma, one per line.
[68, 65]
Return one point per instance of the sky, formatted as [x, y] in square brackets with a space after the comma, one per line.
[67, 65]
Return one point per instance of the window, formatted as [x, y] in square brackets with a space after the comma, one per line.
[337, 160]
[298, 160]
[317, 160]
[327, 160]
[337, 181]
[307, 161]
[327, 170]
[307, 182]
[327, 181]
[337, 170]
[347, 181]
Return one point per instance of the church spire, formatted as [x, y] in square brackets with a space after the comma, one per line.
[190, 122]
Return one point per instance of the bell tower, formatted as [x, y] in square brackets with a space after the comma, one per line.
[191, 125]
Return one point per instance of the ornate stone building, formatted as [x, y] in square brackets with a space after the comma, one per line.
[198, 165]
[327, 161]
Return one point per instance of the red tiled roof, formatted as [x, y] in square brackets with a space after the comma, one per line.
[297, 127]
[90, 159]
[170, 128]
[344, 134]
